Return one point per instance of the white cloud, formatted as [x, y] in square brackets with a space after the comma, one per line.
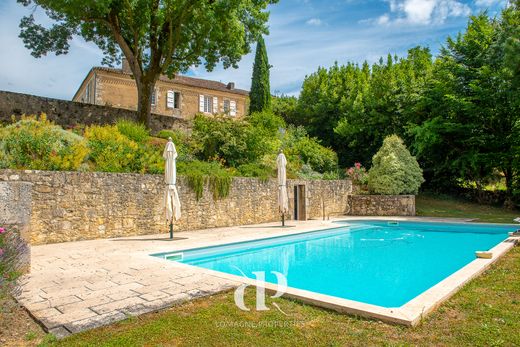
[314, 21]
[423, 12]
[384, 19]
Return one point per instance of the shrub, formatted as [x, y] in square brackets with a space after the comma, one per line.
[199, 173]
[267, 121]
[306, 172]
[134, 131]
[111, 151]
[260, 170]
[394, 170]
[234, 142]
[183, 143]
[36, 143]
[297, 142]
[358, 175]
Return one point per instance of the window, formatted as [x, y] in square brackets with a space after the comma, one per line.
[173, 99]
[226, 106]
[208, 104]
[232, 108]
[154, 98]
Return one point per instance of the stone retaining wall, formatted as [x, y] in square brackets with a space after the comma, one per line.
[69, 206]
[69, 113]
[15, 217]
[381, 205]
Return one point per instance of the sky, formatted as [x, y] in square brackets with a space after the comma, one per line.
[304, 35]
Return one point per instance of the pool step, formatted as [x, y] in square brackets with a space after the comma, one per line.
[175, 256]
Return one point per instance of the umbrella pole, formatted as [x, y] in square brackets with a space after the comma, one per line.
[283, 219]
[171, 230]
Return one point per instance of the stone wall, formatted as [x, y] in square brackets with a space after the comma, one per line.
[69, 206]
[15, 217]
[69, 113]
[381, 205]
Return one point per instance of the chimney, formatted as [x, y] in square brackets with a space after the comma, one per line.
[231, 85]
[125, 66]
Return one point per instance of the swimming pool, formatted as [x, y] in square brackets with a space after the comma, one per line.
[381, 263]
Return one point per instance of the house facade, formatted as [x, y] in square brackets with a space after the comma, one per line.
[181, 96]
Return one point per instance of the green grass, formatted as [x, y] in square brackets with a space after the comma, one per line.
[484, 313]
[445, 206]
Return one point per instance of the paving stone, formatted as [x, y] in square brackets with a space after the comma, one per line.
[120, 295]
[95, 322]
[46, 313]
[157, 286]
[110, 291]
[154, 295]
[175, 290]
[59, 332]
[57, 320]
[64, 300]
[84, 304]
[102, 284]
[118, 305]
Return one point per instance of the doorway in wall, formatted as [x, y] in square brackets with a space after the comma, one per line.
[300, 212]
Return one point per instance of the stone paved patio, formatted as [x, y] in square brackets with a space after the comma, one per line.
[77, 286]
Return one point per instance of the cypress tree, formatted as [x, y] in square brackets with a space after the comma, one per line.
[260, 95]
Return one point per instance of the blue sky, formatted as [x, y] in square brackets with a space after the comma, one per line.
[304, 34]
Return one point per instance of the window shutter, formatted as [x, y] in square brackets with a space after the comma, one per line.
[232, 108]
[201, 103]
[215, 105]
[170, 99]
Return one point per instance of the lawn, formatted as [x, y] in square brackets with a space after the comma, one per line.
[435, 206]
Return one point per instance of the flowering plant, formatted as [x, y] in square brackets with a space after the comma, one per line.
[358, 174]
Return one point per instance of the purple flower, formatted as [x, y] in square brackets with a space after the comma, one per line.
[2, 230]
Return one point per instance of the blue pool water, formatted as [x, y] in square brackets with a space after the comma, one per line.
[374, 262]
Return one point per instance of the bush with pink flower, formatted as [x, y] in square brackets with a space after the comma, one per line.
[358, 175]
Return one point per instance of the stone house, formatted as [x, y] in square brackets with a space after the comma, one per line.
[181, 96]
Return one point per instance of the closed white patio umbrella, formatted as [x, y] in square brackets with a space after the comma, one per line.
[283, 199]
[172, 203]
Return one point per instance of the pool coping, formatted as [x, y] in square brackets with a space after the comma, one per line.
[410, 314]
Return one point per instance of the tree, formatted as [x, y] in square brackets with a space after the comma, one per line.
[260, 95]
[352, 108]
[156, 37]
[473, 107]
[394, 170]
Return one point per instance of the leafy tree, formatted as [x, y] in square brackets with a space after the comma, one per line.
[156, 37]
[352, 108]
[260, 95]
[286, 107]
[394, 170]
[473, 107]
